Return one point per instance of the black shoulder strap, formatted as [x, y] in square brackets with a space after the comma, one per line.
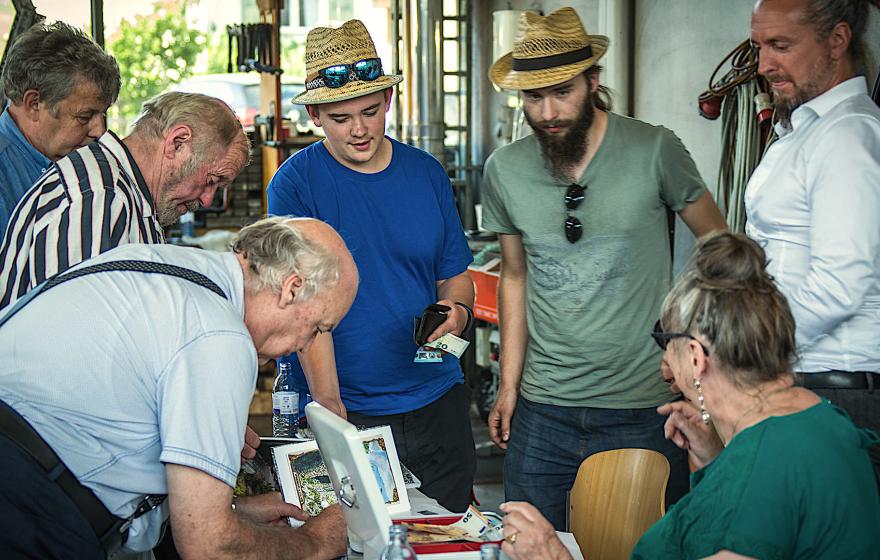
[146, 267]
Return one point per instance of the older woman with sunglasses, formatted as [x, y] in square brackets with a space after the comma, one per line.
[781, 473]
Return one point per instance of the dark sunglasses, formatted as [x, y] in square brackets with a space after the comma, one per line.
[663, 338]
[574, 197]
[338, 75]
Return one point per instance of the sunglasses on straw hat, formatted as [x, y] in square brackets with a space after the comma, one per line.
[338, 75]
[342, 63]
[548, 51]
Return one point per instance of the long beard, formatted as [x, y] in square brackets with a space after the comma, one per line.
[563, 153]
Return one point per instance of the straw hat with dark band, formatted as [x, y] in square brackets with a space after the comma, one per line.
[547, 51]
[348, 44]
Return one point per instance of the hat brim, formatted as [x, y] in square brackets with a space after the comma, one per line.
[504, 76]
[356, 88]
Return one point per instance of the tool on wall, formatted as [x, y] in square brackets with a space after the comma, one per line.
[253, 48]
[743, 61]
[740, 97]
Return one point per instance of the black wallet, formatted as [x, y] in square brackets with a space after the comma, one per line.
[431, 318]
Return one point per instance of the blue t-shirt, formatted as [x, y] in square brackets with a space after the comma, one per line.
[20, 166]
[403, 230]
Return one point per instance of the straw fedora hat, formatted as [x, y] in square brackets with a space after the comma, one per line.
[328, 46]
[547, 51]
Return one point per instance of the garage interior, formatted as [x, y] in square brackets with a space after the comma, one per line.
[666, 64]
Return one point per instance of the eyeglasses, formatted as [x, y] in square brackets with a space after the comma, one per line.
[663, 338]
[574, 197]
[338, 75]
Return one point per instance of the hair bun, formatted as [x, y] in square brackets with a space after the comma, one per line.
[727, 261]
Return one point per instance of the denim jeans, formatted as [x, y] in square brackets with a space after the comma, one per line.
[548, 443]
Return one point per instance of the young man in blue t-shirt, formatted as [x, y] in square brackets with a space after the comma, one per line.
[393, 205]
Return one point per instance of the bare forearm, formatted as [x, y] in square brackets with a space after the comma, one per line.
[514, 330]
[458, 288]
[205, 525]
[267, 541]
[702, 216]
[450, 292]
[235, 536]
[319, 367]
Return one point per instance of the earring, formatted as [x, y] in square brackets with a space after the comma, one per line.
[704, 414]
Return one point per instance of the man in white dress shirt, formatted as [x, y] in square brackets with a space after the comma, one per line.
[814, 201]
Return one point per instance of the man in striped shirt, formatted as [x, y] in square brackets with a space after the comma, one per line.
[182, 148]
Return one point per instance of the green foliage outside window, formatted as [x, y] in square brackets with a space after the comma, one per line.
[153, 51]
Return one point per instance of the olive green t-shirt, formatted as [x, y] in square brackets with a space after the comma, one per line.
[590, 305]
[799, 486]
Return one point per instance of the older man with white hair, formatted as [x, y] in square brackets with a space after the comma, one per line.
[140, 381]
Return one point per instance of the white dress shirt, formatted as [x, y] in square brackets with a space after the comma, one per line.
[813, 203]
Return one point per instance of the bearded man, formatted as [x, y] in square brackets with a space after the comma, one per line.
[182, 148]
[814, 200]
[581, 212]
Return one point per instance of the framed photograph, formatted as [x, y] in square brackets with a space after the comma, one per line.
[305, 482]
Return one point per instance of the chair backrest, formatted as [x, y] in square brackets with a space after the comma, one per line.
[616, 496]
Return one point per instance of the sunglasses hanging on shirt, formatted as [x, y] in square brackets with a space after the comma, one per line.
[574, 197]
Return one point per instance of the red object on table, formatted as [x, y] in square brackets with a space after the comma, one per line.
[437, 548]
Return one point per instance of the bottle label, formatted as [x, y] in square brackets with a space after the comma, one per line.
[285, 402]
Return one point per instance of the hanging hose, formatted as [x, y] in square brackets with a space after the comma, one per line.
[743, 67]
[742, 147]
[739, 97]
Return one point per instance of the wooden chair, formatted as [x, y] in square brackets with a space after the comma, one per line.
[616, 496]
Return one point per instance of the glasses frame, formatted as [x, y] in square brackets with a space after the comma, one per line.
[356, 72]
[574, 197]
[662, 338]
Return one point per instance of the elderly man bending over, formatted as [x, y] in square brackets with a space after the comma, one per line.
[140, 383]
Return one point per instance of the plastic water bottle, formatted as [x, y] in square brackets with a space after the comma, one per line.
[490, 551]
[398, 547]
[187, 223]
[285, 403]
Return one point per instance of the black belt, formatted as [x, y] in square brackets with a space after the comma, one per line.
[863, 380]
[112, 531]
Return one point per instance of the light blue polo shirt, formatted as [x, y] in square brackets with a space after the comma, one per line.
[122, 372]
[20, 166]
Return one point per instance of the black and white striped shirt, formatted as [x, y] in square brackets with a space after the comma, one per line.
[88, 202]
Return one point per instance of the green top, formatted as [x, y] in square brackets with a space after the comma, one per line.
[796, 486]
[590, 305]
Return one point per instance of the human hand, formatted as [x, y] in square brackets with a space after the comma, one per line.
[456, 320]
[500, 416]
[268, 508]
[251, 443]
[686, 429]
[327, 530]
[527, 534]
